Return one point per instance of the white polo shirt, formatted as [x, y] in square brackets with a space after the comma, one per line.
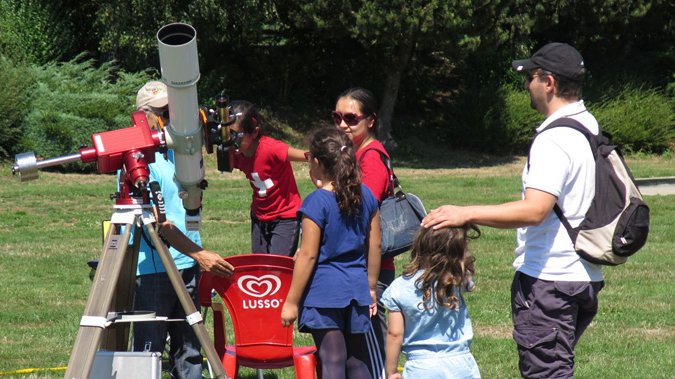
[561, 163]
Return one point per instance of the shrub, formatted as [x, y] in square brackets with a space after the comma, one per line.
[518, 118]
[639, 119]
[71, 101]
[14, 104]
[33, 31]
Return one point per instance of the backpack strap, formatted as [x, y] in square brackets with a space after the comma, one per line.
[594, 140]
[393, 180]
[567, 122]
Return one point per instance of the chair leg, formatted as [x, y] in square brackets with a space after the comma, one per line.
[260, 373]
[305, 366]
[231, 366]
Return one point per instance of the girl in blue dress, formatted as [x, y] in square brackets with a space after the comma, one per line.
[332, 293]
[427, 313]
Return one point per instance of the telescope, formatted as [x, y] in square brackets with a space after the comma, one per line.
[132, 149]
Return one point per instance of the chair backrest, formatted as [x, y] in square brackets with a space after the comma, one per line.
[254, 296]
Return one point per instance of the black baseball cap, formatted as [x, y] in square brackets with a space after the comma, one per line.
[558, 58]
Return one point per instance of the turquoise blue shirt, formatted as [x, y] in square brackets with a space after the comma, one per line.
[163, 171]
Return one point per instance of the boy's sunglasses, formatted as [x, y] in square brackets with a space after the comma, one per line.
[162, 112]
[351, 119]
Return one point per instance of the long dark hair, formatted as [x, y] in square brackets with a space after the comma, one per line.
[335, 151]
[448, 265]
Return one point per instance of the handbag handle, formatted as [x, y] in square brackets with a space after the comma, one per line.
[393, 180]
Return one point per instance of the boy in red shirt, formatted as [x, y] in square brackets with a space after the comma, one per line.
[267, 165]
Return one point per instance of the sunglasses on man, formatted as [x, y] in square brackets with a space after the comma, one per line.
[529, 76]
[351, 119]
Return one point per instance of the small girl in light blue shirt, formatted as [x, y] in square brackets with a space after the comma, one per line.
[428, 318]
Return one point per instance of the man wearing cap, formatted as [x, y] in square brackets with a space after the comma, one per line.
[554, 292]
[154, 291]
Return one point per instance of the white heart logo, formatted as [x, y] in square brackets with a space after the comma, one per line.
[259, 286]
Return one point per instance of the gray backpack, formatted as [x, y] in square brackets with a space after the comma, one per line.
[617, 223]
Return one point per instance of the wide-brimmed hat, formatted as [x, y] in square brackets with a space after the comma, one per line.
[558, 58]
[152, 94]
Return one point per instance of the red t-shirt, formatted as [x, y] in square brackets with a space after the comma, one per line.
[275, 193]
[375, 175]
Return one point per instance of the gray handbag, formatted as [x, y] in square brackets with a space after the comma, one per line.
[400, 215]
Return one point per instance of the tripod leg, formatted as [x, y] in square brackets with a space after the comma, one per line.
[116, 336]
[100, 298]
[194, 318]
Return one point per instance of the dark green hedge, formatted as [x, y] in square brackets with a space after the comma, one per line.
[639, 119]
[71, 101]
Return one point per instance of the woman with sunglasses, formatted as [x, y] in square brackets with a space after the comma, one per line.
[355, 114]
[266, 163]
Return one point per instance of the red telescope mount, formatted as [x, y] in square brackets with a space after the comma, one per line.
[129, 149]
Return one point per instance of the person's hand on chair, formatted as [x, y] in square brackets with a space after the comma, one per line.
[213, 263]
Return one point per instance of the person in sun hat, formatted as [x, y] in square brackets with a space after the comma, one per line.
[554, 293]
[153, 290]
[153, 98]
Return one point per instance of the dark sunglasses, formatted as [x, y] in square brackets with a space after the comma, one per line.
[162, 112]
[530, 76]
[351, 119]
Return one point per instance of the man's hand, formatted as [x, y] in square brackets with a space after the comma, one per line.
[213, 263]
[445, 216]
[531, 210]
[208, 261]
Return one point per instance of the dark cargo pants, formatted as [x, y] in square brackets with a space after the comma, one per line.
[548, 320]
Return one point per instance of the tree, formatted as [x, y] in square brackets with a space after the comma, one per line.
[225, 30]
[389, 33]
[33, 31]
[616, 37]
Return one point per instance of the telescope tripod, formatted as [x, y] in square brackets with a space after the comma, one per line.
[114, 261]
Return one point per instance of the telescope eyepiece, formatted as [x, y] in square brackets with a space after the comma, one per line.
[222, 100]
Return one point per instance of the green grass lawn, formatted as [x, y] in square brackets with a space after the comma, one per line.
[50, 228]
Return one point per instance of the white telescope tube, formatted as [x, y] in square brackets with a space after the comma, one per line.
[180, 71]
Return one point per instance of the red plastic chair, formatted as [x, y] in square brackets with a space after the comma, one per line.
[254, 296]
